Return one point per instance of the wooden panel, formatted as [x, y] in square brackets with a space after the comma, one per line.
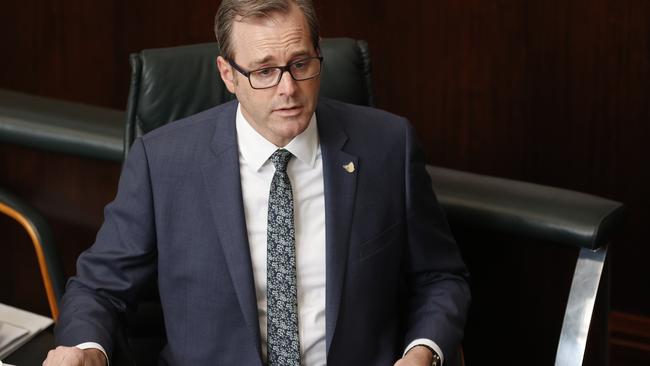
[553, 92]
[630, 339]
[59, 48]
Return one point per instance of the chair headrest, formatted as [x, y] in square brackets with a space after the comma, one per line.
[171, 83]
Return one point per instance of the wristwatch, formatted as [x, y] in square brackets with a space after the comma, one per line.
[436, 358]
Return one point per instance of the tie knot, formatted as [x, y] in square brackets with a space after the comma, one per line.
[280, 159]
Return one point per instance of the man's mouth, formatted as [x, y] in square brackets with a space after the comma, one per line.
[289, 111]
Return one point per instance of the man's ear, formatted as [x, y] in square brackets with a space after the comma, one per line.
[227, 75]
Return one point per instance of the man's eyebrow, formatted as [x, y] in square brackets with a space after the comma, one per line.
[260, 61]
[300, 54]
[266, 59]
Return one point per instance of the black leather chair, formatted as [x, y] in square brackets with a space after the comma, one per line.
[172, 83]
[549, 216]
[38, 230]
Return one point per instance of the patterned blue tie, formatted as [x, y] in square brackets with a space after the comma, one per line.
[281, 289]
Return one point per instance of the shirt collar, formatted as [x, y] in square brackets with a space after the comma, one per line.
[256, 150]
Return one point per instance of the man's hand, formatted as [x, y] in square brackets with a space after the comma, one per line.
[73, 356]
[416, 356]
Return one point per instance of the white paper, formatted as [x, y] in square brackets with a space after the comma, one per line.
[17, 327]
[10, 333]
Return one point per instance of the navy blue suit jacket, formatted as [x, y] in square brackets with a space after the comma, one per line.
[394, 272]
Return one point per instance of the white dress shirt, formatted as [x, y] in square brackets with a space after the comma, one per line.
[305, 171]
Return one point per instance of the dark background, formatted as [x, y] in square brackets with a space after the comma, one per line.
[549, 91]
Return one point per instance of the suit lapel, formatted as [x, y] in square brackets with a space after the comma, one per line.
[223, 186]
[340, 191]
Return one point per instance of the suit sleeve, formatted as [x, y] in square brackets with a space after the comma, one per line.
[437, 288]
[111, 272]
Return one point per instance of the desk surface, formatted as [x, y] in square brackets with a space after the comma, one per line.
[34, 351]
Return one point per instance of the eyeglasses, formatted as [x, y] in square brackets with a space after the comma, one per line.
[268, 77]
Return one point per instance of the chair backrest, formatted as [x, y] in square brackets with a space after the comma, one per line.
[47, 256]
[171, 83]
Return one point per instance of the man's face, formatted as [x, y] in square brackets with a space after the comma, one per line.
[282, 112]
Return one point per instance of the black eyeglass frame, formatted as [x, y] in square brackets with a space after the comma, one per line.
[283, 69]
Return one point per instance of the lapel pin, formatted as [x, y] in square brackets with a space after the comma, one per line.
[349, 167]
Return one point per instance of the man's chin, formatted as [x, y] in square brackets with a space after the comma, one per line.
[290, 128]
[290, 121]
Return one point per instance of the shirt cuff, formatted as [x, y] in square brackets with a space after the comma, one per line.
[426, 342]
[89, 345]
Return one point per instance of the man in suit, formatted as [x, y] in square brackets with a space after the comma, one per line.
[281, 229]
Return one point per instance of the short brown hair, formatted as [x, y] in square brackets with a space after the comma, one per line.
[230, 9]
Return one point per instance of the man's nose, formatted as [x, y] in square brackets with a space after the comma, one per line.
[287, 85]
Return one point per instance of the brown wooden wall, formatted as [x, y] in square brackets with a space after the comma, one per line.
[550, 91]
